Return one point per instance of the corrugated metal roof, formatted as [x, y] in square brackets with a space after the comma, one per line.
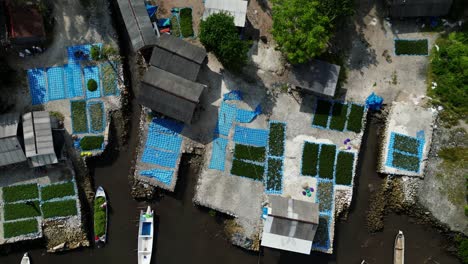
[38, 141]
[181, 48]
[174, 63]
[316, 76]
[236, 8]
[11, 151]
[288, 208]
[138, 23]
[9, 124]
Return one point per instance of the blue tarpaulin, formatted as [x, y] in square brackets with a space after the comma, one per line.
[151, 10]
[374, 102]
[233, 95]
[164, 22]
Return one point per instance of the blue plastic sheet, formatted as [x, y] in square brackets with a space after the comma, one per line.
[227, 115]
[251, 136]
[159, 157]
[374, 102]
[37, 86]
[218, 154]
[73, 79]
[151, 9]
[233, 95]
[56, 83]
[163, 141]
[164, 176]
[165, 125]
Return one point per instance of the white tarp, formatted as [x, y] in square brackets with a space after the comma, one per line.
[236, 8]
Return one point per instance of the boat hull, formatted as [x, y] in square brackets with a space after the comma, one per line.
[101, 239]
[25, 259]
[145, 236]
[399, 249]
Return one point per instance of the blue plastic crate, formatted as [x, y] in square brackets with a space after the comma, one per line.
[56, 83]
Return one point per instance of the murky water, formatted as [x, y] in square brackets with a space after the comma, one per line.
[187, 234]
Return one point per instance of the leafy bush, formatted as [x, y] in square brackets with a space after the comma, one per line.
[302, 28]
[355, 118]
[100, 217]
[186, 22]
[406, 144]
[338, 118]
[406, 162]
[92, 85]
[57, 115]
[276, 139]
[249, 153]
[325, 196]
[79, 119]
[95, 52]
[411, 47]
[91, 142]
[448, 69]
[57, 191]
[21, 210]
[249, 170]
[60, 208]
[462, 248]
[219, 35]
[109, 79]
[274, 176]
[310, 159]
[322, 111]
[326, 161]
[96, 112]
[18, 228]
[321, 237]
[20, 192]
[466, 210]
[344, 168]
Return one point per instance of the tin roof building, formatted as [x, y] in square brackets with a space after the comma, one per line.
[11, 151]
[419, 8]
[38, 141]
[317, 76]
[290, 224]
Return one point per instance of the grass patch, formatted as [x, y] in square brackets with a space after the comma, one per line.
[406, 162]
[186, 22]
[274, 176]
[325, 196]
[276, 139]
[19, 228]
[109, 79]
[310, 159]
[249, 153]
[96, 113]
[61, 208]
[99, 217]
[327, 159]
[321, 113]
[249, 170]
[91, 142]
[344, 168]
[454, 154]
[21, 210]
[20, 192]
[57, 191]
[338, 119]
[355, 118]
[321, 238]
[79, 119]
[406, 144]
[411, 47]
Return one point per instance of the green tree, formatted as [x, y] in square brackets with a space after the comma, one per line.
[302, 28]
[449, 69]
[218, 34]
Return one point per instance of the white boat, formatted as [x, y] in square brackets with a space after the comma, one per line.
[145, 236]
[25, 259]
[399, 251]
[100, 216]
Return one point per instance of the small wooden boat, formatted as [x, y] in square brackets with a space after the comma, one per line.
[145, 236]
[25, 259]
[399, 253]
[100, 216]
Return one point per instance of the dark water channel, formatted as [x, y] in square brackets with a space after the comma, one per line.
[188, 234]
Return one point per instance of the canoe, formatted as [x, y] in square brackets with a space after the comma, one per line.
[100, 216]
[145, 236]
[25, 259]
[399, 253]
